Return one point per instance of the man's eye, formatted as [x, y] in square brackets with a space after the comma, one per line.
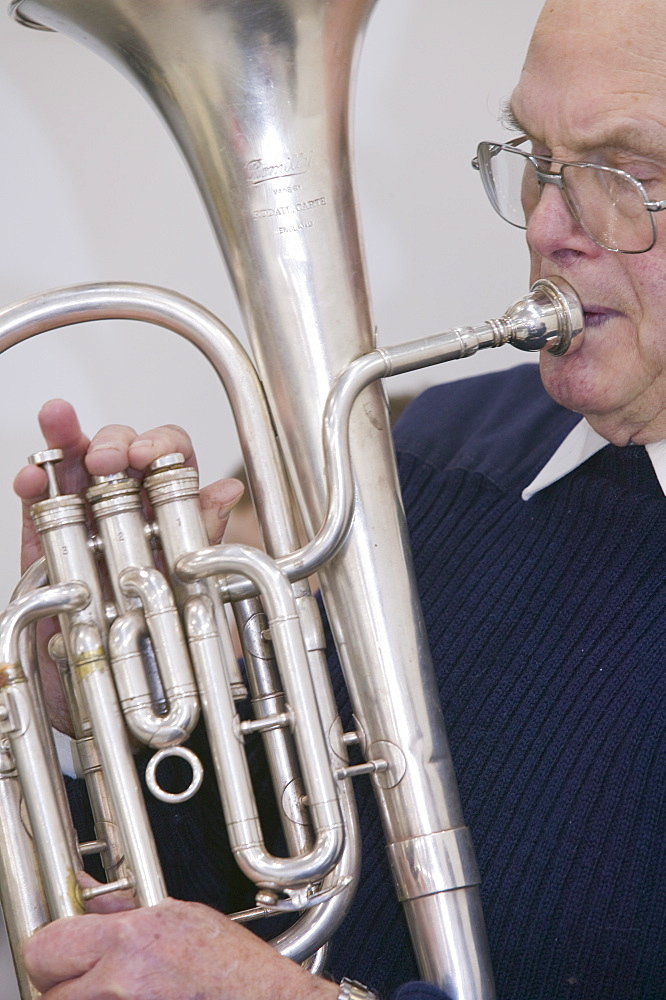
[646, 173]
[649, 183]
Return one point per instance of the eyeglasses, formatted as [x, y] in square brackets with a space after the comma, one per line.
[609, 204]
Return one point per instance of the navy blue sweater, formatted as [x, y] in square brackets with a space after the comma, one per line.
[547, 623]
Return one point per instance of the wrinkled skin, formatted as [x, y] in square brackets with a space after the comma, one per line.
[172, 951]
[176, 950]
[584, 95]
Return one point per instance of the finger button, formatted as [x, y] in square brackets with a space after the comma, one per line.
[47, 460]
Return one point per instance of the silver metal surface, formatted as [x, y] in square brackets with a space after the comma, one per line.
[23, 900]
[452, 916]
[257, 96]
[287, 639]
[195, 781]
[20, 727]
[117, 762]
[426, 863]
[351, 989]
[268, 700]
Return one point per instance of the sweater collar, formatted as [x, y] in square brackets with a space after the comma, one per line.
[581, 443]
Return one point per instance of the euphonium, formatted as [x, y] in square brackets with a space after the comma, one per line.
[256, 93]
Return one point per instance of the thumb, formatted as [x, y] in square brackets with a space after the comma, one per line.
[217, 502]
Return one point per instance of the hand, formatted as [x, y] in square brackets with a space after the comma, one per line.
[172, 951]
[113, 449]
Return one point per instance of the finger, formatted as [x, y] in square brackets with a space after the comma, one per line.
[164, 440]
[30, 484]
[61, 429]
[66, 949]
[109, 450]
[31, 548]
[217, 502]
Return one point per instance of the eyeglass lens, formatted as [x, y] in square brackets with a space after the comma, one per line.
[608, 205]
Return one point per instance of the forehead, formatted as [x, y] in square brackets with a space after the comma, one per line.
[595, 70]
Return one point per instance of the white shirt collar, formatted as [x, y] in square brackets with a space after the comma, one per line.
[580, 444]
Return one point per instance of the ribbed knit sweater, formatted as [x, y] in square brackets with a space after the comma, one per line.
[547, 621]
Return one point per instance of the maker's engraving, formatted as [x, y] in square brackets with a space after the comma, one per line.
[295, 208]
[296, 228]
[279, 210]
[291, 165]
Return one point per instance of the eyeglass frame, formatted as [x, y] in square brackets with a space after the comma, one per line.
[557, 178]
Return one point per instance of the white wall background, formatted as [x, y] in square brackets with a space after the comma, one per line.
[91, 188]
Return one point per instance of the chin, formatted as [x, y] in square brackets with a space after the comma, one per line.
[580, 383]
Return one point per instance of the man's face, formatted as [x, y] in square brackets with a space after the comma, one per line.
[594, 89]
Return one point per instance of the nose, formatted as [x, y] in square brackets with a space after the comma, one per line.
[553, 231]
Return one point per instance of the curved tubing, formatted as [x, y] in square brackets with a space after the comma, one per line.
[231, 767]
[545, 316]
[161, 616]
[83, 303]
[22, 727]
[318, 924]
[78, 305]
[35, 577]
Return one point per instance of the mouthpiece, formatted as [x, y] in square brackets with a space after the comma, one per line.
[550, 316]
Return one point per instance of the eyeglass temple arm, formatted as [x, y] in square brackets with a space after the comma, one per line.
[653, 206]
[497, 146]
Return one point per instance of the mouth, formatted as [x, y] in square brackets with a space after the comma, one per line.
[598, 315]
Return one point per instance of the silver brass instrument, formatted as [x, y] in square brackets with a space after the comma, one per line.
[256, 93]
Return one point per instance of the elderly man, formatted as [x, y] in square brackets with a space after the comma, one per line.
[553, 531]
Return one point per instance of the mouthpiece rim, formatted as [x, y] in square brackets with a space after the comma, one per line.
[569, 308]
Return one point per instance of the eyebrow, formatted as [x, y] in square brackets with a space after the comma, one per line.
[644, 142]
[509, 120]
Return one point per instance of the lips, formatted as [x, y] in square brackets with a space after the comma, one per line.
[598, 315]
[595, 313]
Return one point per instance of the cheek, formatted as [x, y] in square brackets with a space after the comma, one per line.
[650, 290]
